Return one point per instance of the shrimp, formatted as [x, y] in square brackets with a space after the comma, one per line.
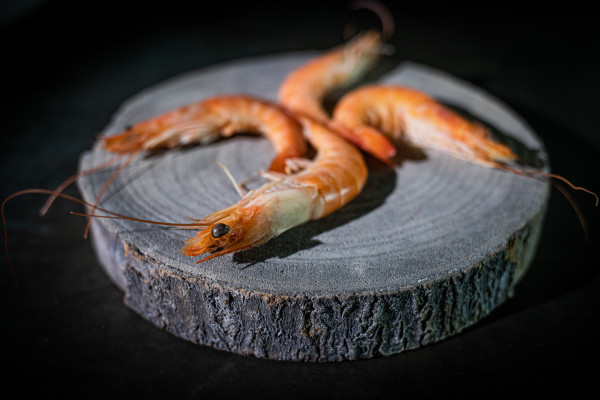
[304, 89]
[207, 120]
[336, 175]
[409, 115]
[202, 122]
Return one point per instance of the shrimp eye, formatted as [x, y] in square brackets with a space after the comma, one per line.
[219, 230]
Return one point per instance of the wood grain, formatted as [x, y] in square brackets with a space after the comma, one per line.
[427, 249]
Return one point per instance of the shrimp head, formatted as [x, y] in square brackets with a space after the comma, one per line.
[261, 215]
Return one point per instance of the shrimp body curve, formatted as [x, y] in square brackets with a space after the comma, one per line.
[336, 175]
[409, 115]
[305, 88]
[211, 118]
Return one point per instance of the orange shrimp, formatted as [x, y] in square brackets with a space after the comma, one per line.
[207, 120]
[411, 116]
[204, 122]
[414, 117]
[336, 175]
[304, 89]
[199, 122]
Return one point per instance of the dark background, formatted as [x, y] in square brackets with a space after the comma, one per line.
[68, 65]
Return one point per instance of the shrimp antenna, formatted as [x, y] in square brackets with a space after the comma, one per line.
[60, 188]
[565, 180]
[146, 221]
[76, 200]
[388, 25]
[548, 175]
[106, 185]
[575, 207]
[553, 178]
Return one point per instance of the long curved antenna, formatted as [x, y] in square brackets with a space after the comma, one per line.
[582, 221]
[80, 201]
[74, 178]
[106, 185]
[532, 173]
[146, 221]
[553, 178]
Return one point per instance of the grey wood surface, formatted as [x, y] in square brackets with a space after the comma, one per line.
[427, 249]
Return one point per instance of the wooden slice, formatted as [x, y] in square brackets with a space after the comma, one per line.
[427, 249]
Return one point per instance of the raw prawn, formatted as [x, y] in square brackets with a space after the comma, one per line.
[304, 89]
[336, 175]
[202, 122]
[406, 114]
[207, 120]
[413, 117]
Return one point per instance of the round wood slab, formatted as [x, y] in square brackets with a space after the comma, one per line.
[428, 248]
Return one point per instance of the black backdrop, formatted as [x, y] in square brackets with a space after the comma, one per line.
[67, 66]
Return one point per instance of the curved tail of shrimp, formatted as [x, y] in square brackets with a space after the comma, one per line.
[368, 140]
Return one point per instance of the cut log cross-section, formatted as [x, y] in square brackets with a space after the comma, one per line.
[427, 249]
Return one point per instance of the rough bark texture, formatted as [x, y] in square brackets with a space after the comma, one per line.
[318, 328]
